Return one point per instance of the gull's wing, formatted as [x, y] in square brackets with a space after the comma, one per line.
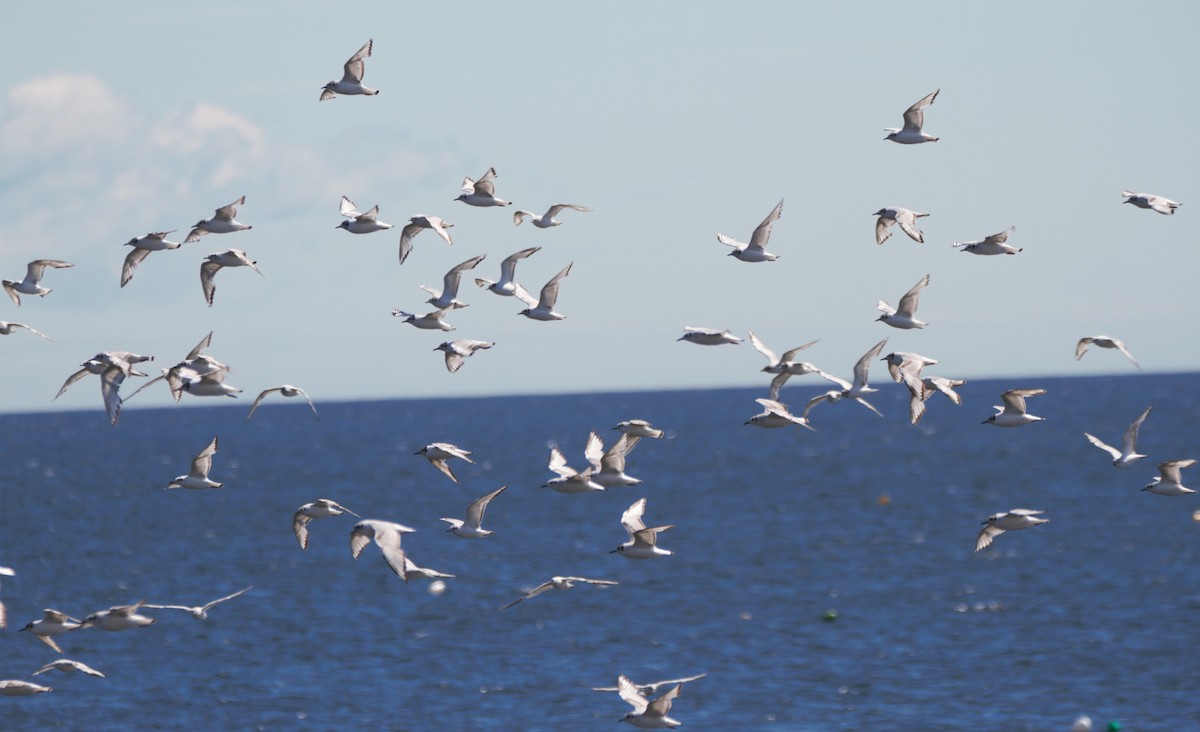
[762, 234]
[71, 380]
[914, 116]
[353, 68]
[372, 215]
[1114, 452]
[207, 271]
[986, 535]
[508, 268]
[439, 227]
[300, 528]
[908, 223]
[790, 355]
[311, 406]
[258, 400]
[762, 348]
[220, 600]
[406, 236]
[1129, 440]
[1081, 347]
[1170, 470]
[777, 384]
[864, 364]
[110, 384]
[348, 209]
[593, 451]
[477, 508]
[443, 466]
[557, 208]
[549, 294]
[523, 295]
[1014, 399]
[202, 463]
[867, 404]
[883, 229]
[228, 213]
[908, 303]
[628, 691]
[1121, 347]
[614, 457]
[558, 464]
[1001, 237]
[661, 706]
[729, 241]
[532, 593]
[485, 185]
[48, 640]
[205, 342]
[631, 519]
[452, 278]
[132, 260]
[165, 607]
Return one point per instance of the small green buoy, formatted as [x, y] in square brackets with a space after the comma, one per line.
[832, 615]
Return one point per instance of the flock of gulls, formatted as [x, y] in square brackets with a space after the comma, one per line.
[201, 375]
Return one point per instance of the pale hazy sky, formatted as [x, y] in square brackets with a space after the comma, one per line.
[673, 121]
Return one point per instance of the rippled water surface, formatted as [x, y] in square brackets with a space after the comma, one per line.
[824, 581]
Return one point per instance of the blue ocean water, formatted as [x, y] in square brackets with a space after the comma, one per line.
[875, 520]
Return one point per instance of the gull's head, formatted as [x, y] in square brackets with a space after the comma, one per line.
[989, 419]
[882, 211]
[462, 197]
[134, 241]
[343, 225]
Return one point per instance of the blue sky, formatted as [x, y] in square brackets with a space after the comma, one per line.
[673, 121]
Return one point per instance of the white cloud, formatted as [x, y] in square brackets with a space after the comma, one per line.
[60, 113]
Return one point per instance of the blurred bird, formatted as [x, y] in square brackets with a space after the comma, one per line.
[222, 222]
[755, 251]
[546, 220]
[352, 76]
[914, 120]
[31, 285]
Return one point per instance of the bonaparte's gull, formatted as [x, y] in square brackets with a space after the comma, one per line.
[7, 328]
[52, 623]
[900, 362]
[417, 224]
[447, 298]
[544, 308]
[930, 386]
[194, 366]
[647, 713]
[991, 245]
[643, 542]
[17, 687]
[507, 285]
[1151, 201]
[31, 285]
[66, 665]
[914, 120]
[557, 583]
[111, 377]
[481, 192]
[998, 523]
[472, 527]
[358, 222]
[1103, 341]
[776, 415]
[152, 242]
[755, 251]
[1168, 482]
[320, 508]
[222, 222]
[200, 612]
[352, 76]
[428, 321]
[855, 390]
[903, 316]
[197, 476]
[569, 479]
[460, 349]
[213, 264]
[707, 336]
[609, 465]
[286, 390]
[653, 686]
[1128, 453]
[386, 535]
[121, 617]
[546, 220]
[896, 215]
[784, 363]
[638, 428]
[437, 453]
[209, 384]
[1013, 413]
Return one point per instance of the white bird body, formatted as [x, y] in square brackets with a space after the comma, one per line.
[197, 476]
[52, 623]
[439, 452]
[1148, 200]
[386, 535]
[1103, 341]
[648, 713]
[200, 612]
[708, 336]
[447, 297]
[755, 250]
[998, 523]
[914, 121]
[223, 222]
[1128, 453]
[428, 321]
[417, 224]
[320, 508]
[352, 76]
[472, 526]
[209, 384]
[121, 617]
[544, 309]
[31, 284]
[286, 390]
[991, 245]
[152, 242]
[460, 349]
[507, 284]
[776, 415]
[896, 215]
[609, 465]
[903, 316]
[1012, 413]
[557, 583]
[481, 192]
[546, 220]
[213, 264]
[643, 541]
[17, 687]
[1169, 481]
[901, 362]
[569, 479]
[358, 222]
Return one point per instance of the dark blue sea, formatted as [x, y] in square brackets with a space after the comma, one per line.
[823, 581]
